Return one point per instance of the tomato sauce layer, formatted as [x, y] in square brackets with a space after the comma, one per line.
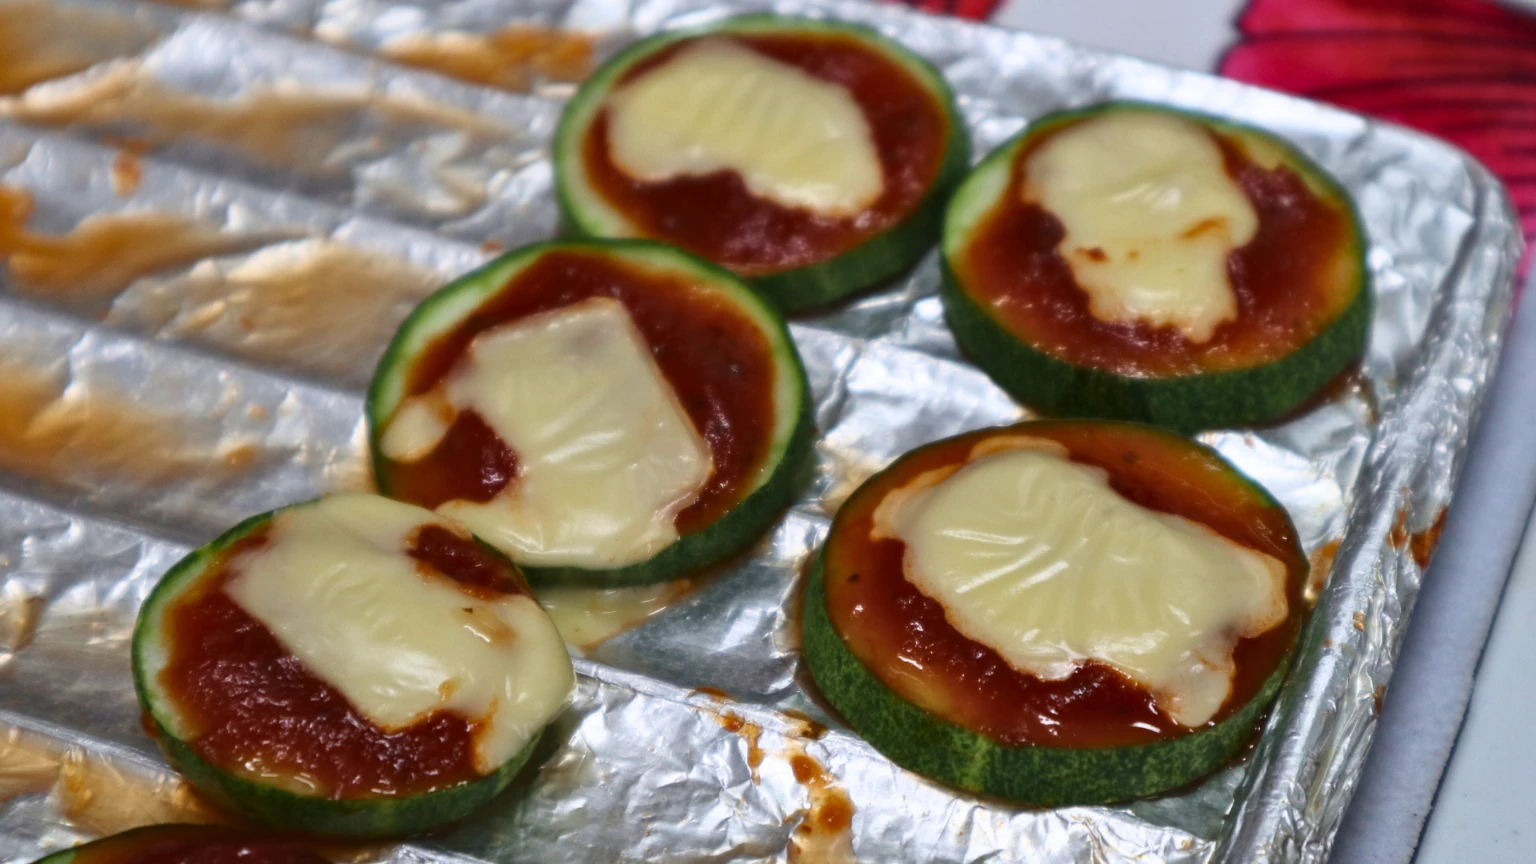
[194, 844]
[1292, 280]
[715, 216]
[718, 362]
[904, 638]
[256, 709]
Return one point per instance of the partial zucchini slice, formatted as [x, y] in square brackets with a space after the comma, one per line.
[1060, 612]
[187, 844]
[811, 157]
[605, 412]
[350, 666]
[1131, 261]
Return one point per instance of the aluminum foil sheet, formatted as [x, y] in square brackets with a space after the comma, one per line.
[276, 194]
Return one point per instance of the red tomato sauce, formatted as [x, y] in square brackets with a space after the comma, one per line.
[904, 638]
[194, 844]
[1289, 280]
[717, 217]
[255, 708]
[717, 361]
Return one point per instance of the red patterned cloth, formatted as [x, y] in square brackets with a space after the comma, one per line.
[976, 10]
[1464, 70]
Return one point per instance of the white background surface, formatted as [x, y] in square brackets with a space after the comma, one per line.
[1485, 812]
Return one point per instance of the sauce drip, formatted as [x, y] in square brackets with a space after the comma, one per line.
[718, 364]
[287, 127]
[105, 253]
[716, 217]
[41, 41]
[188, 844]
[82, 435]
[1288, 280]
[825, 835]
[315, 306]
[513, 58]
[254, 708]
[904, 637]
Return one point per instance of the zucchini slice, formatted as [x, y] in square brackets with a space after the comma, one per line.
[1131, 261]
[333, 668]
[1014, 611]
[187, 844]
[672, 447]
[829, 176]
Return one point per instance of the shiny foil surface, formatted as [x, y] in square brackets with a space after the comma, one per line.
[276, 188]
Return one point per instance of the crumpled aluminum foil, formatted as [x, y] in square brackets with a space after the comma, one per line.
[137, 423]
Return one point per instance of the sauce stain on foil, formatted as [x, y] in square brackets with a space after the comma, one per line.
[1321, 567]
[315, 306]
[40, 42]
[751, 734]
[76, 436]
[19, 612]
[126, 173]
[92, 793]
[825, 835]
[105, 253]
[282, 126]
[587, 617]
[1422, 544]
[25, 769]
[514, 58]
[98, 797]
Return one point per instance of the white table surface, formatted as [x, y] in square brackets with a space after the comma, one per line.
[1485, 811]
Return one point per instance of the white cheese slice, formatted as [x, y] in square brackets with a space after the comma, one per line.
[1150, 215]
[335, 586]
[606, 456]
[717, 105]
[1038, 558]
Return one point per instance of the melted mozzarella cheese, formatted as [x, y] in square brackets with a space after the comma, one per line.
[1038, 558]
[719, 106]
[1151, 216]
[335, 586]
[606, 456]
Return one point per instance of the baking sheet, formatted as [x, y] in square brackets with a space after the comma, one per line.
[146, 414]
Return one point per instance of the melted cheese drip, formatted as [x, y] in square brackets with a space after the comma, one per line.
[1150, 215]
[1038, 558]
[335, 586]
[606, 455]
[718, 106]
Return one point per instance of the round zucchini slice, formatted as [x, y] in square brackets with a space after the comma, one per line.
[605, 412]
[811, 157]
[341, 667]
[187, 844]
[1058, 612]
[1129, 261]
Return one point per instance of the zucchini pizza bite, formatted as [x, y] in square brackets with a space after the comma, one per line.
[350, 666]
[605, 412]
[1131, 261]
[187, 844]
[1059, 612]
[811, 157]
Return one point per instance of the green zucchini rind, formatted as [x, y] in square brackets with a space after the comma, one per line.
[585, 214]
[783, 468]
[1046, 776]
[264, 802]
[931, 745]
[1188, 403]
